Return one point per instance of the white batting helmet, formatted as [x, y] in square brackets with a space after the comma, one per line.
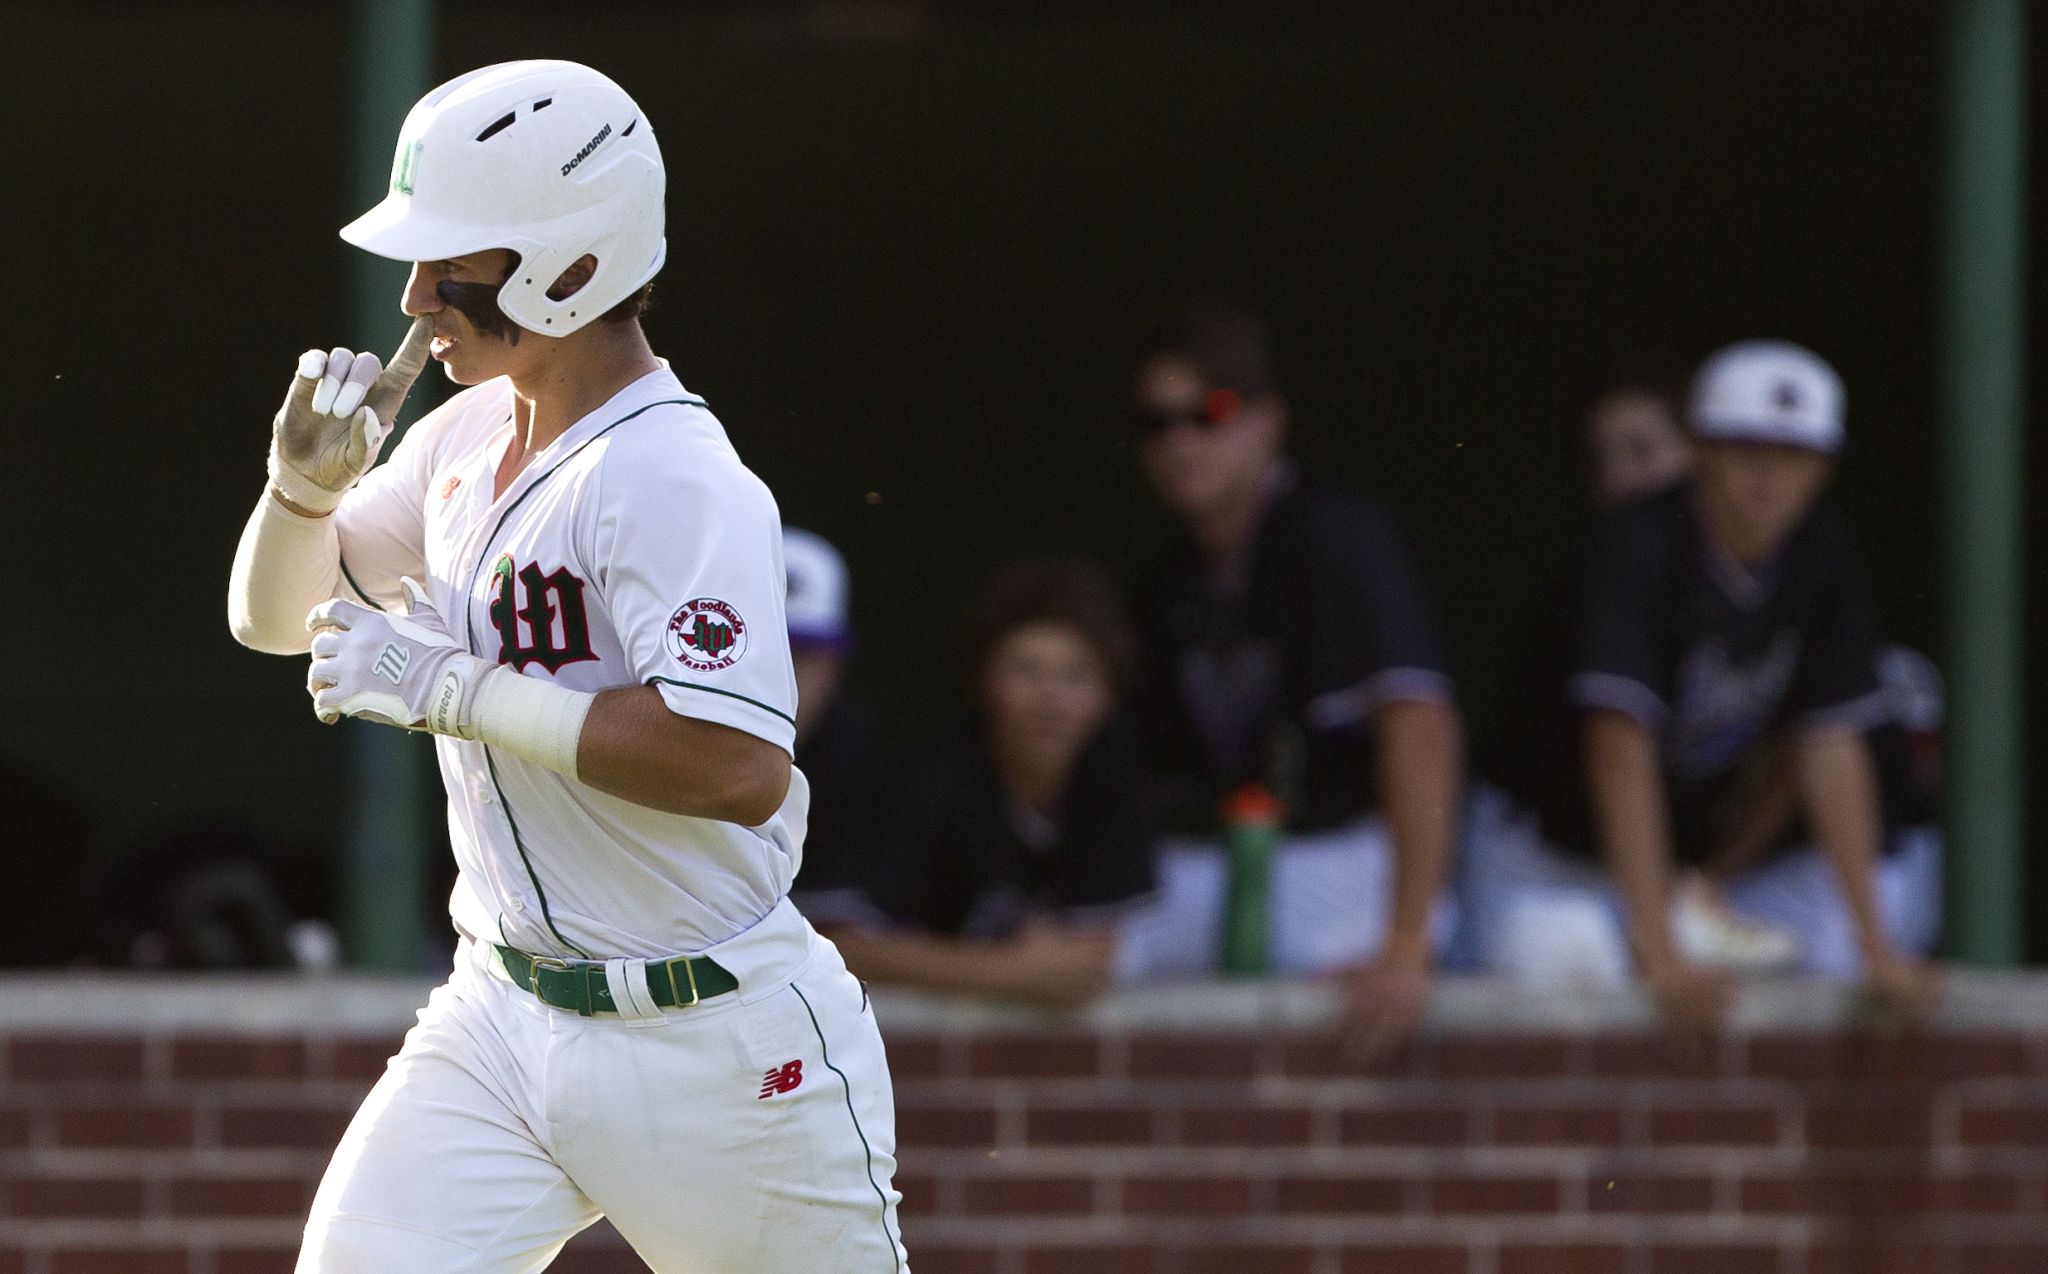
[549, 159]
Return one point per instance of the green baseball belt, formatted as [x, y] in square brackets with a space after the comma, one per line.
[581, 984]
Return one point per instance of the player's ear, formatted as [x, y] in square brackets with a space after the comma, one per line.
[572, 279]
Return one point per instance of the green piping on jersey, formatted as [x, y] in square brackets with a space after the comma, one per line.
[469, 625]
[691, 685]
[895, 1250]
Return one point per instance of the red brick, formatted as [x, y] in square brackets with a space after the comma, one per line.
[1089, 1125]
[74, 1197]
[1877, 1256]
[1903, 1124]
[1655, 1057]
[15, 1261]
[121, 1261]
[920, 1193]
[1492, 1195]
[1087, 1260]
[209, 1059]
[363, 1058]
[1716, 1259]
[289, 1127]
[1886, 1196]
[1403, 1260]
[1323, 1057]
[1377, 1195]
[124, 1126]
[2022, 1256]
[1035, 1057]
[1245, 1126]
[1873, 1057]
[917, 1058]
[241, 1196]
[1536, 1125]
[1236, 1260]
[1187, 1196]
[946, 1126]
[61, 1058]
[1027, 1196]
[265, 1260]
[1193, 1057]
[2003, 1125]
[1578, 1258]
[1714, 1126]
[14, 1127]
[1634, 1192]
[931, 1259]
[1505, 1057]
[1405, 1126]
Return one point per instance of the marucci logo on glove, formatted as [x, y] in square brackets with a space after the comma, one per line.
[707, 635]
[391, 663]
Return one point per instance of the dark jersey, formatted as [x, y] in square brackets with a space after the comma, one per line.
[967, 861]
[1721, 663]
[842, 852]
[1274, 676]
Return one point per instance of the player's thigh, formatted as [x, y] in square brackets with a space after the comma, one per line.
[438, 1170]
[750, 1139]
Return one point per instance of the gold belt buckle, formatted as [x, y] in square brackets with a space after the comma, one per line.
[690, 972]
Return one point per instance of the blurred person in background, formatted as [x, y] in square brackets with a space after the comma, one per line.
[835, 742]
[1720, 651]
[1290, 648]
[1637, 445]
[1021, 839]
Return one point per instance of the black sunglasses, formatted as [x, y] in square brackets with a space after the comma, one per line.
[1217, 407]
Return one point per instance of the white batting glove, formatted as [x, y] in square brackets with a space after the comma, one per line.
[335, 418]
[395, 670]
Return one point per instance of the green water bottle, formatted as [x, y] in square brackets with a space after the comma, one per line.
[1251, 828]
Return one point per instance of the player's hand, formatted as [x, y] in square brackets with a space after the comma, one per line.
[336, 416]
[1904, 986]
[1693, 1000]
[1384, 1000]
[395, 670]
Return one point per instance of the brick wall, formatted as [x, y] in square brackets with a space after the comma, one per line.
[1182, 1132]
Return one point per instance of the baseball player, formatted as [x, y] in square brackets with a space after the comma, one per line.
[567, 577]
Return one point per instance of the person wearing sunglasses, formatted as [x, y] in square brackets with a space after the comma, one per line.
[1291, 648]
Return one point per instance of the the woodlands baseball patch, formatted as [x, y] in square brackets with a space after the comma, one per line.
[707, 635]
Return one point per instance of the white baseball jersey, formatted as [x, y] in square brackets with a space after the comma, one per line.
[635, 549]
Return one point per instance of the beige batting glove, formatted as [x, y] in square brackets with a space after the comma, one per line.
[335, 418]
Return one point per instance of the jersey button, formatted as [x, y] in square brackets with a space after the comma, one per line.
[484, 794]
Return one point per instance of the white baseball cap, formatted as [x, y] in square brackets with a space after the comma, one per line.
[1768, 391]
[816, 604]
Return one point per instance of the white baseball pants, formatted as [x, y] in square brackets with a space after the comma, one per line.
[751, 1134]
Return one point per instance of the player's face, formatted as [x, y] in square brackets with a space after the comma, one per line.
[1638, 448]
[1756, 493]
[1047, 693]
[473, 340]
[1201, 451]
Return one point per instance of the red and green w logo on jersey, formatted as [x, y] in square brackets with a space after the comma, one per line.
[709, 637]
[548, 626]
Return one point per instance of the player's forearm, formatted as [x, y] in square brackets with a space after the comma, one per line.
[1627, 788]
[1420, 759]
[285, 564]
[634, 748]
[1055, 967]
[1839, 785]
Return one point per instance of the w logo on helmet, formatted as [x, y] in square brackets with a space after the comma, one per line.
[707, 634]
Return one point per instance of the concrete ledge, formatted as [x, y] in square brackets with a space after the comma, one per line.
[102, 1003]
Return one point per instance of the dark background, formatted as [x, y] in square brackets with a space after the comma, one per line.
[910, 247]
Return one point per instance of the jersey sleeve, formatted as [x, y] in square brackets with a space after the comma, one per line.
[383, 522]
[1376, 642]
[687, 554]
[1618, 661]
[1836, 683]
